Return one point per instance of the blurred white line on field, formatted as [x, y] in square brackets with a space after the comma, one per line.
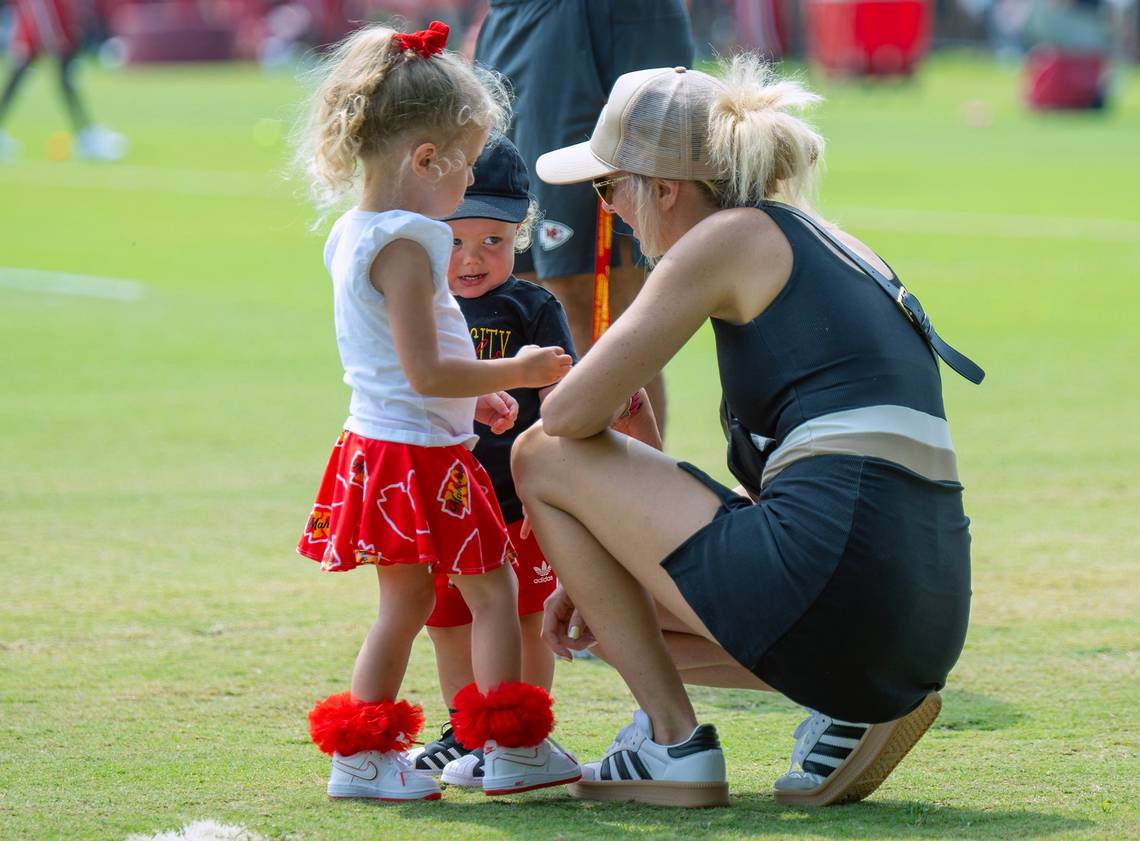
[62, 283]
[145, 179]
[952, 223]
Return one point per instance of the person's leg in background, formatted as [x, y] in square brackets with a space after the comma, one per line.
[562, 57]
[75, 110]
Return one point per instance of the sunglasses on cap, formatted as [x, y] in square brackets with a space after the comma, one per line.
[604, 187]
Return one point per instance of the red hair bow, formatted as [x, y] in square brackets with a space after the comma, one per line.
[426, 42]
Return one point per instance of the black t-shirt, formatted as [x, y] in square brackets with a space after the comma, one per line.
[514, 314]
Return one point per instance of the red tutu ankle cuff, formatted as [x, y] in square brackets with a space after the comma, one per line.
[515, 715]
[341, 724]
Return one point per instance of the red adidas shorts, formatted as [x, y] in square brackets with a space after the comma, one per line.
[536, 582]
[44, 26]
[386, 503]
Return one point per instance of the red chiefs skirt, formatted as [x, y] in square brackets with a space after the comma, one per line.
[386, 503]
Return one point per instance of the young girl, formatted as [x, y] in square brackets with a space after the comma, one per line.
[402, 491]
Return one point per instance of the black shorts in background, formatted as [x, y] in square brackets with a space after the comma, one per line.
[562, 58]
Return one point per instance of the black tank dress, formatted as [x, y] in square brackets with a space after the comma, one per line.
[846, 586]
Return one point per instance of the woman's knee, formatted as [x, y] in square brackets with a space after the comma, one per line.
[529, 451]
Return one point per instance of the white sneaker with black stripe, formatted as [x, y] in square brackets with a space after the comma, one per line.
[689, 773]
[433, 757]
[465, 772]
[835, 761]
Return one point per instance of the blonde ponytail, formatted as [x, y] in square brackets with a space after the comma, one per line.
[370, 92]
[765, 150]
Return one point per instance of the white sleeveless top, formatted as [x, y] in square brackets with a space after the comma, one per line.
[384, 405]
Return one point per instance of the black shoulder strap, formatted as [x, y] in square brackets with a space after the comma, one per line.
[907, 302]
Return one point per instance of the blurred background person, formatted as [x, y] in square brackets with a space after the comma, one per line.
[562, 57]
[54, 27]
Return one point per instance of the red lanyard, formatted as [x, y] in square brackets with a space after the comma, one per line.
[604, 240]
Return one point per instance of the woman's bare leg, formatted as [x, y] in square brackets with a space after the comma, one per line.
[700, 661]
[607, 510]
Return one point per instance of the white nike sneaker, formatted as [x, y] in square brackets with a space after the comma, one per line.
[689, 773]
[465, 772]
[372, 775]
[10, 148]
[511, 770]
[836, 761]
[96, 143]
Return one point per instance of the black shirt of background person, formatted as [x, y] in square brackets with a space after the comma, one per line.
[514, 314]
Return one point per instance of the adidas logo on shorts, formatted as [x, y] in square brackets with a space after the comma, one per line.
[543, 573]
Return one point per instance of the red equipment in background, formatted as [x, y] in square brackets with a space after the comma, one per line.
[1056, 79]
[169, 30]
[868, 37]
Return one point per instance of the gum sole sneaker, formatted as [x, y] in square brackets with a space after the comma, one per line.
[867, 763]
[636, 768]
[371, 775]
[654, 792]
[513, 770]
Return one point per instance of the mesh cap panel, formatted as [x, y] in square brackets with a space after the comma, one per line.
[655, 123]
[664, 128]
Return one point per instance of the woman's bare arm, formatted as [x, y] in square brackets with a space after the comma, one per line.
[726, 266]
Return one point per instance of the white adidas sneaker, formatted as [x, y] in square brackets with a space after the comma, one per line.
[372, 775]
[836, 761]
[689, 773]
[465, 772]
[511, 770]
[433, 757]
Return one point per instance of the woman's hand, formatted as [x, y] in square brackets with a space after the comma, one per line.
[563, 628]
[497, 410]
[542, 366]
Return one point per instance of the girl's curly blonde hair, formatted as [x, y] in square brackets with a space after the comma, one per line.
[371, 92]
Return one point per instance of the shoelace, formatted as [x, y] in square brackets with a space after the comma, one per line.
[401, 761]
[806, 734]
[624, 738]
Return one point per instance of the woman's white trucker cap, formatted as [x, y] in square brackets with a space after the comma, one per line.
[654, 123]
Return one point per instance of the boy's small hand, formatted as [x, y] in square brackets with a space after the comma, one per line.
[497, 410]
[543, 366]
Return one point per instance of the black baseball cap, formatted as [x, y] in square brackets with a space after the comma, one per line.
[502, 187]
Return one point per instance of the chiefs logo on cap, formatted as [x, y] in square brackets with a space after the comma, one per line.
[455, 492]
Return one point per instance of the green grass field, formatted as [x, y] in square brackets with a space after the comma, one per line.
[160, 643]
